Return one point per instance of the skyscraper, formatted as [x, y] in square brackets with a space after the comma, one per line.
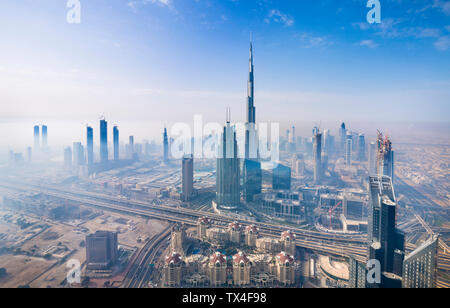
[357, 274]
[317, 152]
[166, 145]
[386, 241]
[385, 157]
[90, 145]
[44, 136]
[116, 142]
[252, 173]
[187, 177]
[372, 158]
[36, 138]
[361, 147]
[131, 141]
[78, 154]
[281, 178]
[343, 135]
[103, 141]
[348, 151]
[228, 170]
[419, 267]
[68, 158]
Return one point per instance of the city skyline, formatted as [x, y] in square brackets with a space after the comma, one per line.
[129, 54]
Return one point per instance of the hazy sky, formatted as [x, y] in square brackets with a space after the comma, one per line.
[166, 60]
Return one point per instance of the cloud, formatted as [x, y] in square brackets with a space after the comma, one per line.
[279, 17]
[443, 43]
[310, 41]
[368, 43]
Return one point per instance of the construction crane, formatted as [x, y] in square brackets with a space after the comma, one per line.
[331, 212]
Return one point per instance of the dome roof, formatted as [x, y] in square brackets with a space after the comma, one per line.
[235, 226]
[174, 258]
[283, 257]
[251, 228]
[204, 220]
[218, 258]
[288, 234]
[239, 258]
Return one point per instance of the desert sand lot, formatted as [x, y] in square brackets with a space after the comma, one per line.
[64, 240]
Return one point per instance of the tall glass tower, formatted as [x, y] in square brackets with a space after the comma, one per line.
[103, 141]
[90, 145]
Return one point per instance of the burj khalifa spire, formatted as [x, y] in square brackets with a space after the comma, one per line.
[251, 90]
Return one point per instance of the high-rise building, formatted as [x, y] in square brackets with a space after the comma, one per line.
[281, 178]
[241, 269]
[103, 141]
[357, 274]
[252, 179]
[387, 242]
[348, 151]
[78, 154]
[44, 136]
[372, 158]
[90, 145]
[187, 177]
[361, 147]
[419, 267]
[131, 142]
[385, 157]
[68, 158]
[228, 170]
[343, 136]
[317, 152]
[36, 138]
[173, 269]
[252, 173]
[101, 250]
[166, 145]
[177, 238]
[116, 142]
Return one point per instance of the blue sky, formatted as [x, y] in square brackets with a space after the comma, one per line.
[166, 60]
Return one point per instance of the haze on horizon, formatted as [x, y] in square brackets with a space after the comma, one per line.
[145, 63]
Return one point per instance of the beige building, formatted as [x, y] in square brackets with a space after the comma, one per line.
[285, 269]
[241, 269]
[288, 240]
[177, 238]
[234, 230]
[202, 225]
[218, 235]
[173, 270]
[270, 245]
[251, 235]
[217, 269]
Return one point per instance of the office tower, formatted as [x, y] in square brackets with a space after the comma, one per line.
[385, 157]
[101, 250]
[357, 274]
[419, 267]
[299, 165]
[292, 147]
[187, 177]
[68, 158]
[103, 141]
[326, 141]
[90, 145]
[78, 154]
[361, 148]
[29, 154]
[36, 138]
[372, 158]
[386, 241]
[116, 142]
[317, 153]
[44, 136]
[343, 135]
[252, 179]
[281, 178]
[348, 152]
[166, 145]
[228, 170]
[131, 142]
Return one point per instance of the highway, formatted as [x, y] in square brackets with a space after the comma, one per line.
[341, 245]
